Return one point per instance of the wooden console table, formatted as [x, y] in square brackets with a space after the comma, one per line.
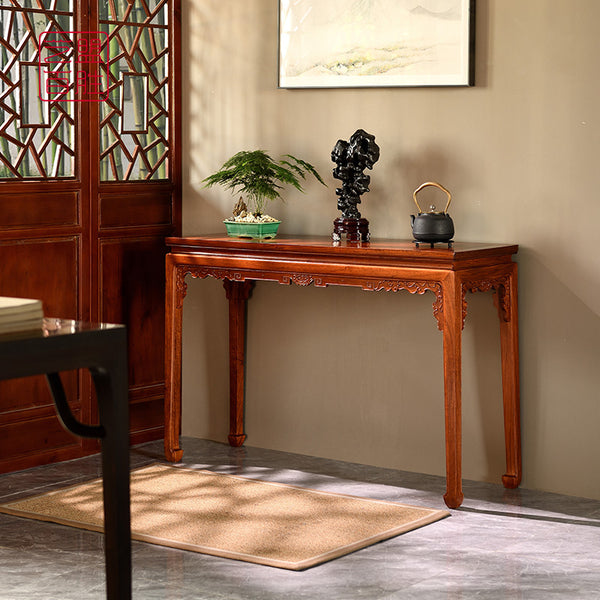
[449, 273]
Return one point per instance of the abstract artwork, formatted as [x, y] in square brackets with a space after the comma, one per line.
[375, 43]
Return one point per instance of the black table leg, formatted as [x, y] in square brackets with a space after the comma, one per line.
[113, 408]
[110, 381]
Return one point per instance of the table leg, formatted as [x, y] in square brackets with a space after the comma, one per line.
[173, 321]
[110, 382]
[452, 319]
[237, 293]
[509, 340]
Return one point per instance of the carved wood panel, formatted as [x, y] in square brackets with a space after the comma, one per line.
[20, 211]
[132, 283]
[40, 439]
[46, 269]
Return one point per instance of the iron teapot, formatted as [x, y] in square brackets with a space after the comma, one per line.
[432, 226]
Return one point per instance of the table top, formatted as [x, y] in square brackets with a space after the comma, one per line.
[324, 248]
[52, 327]
[58, 345]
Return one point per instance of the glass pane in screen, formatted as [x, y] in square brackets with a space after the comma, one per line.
[134, 120]
[37, 111]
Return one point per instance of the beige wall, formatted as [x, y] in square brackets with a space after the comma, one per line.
[357, 376]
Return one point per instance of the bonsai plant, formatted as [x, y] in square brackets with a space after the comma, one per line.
[259, 178]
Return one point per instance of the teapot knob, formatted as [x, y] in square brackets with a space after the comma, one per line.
[432, 208]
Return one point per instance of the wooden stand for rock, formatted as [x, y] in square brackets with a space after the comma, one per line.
[354, 229]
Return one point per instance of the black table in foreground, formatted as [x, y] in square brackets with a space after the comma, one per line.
[65, 345]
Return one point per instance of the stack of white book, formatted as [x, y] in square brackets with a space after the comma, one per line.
[20, 314]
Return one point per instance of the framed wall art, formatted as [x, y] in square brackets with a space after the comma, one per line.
[376, 43]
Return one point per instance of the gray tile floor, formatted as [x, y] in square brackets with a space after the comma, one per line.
[501, 544]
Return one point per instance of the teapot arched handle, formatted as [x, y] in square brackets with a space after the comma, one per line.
[437, 185]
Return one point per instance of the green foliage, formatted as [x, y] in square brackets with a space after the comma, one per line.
[260, 178]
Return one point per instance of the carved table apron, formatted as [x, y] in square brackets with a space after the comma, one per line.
[390, 265]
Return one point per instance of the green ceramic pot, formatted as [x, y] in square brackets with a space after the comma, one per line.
[257, 231]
